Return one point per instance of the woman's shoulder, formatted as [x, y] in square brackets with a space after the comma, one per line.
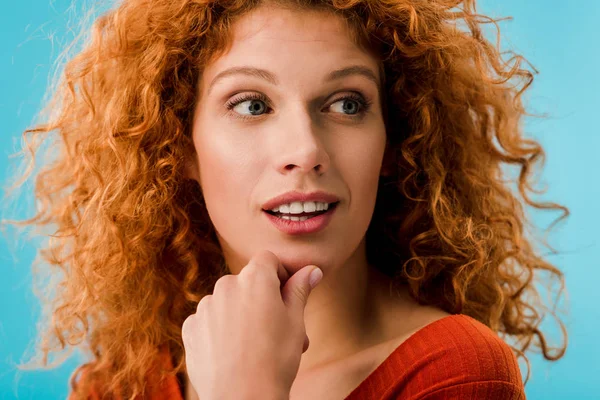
[475, 348]
[458, 354]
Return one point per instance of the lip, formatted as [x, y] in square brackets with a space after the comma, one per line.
[292, 196]
[311, 225]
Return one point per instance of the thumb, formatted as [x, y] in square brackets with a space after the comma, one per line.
[299, 286]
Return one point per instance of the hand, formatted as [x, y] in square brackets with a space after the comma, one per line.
[248, 337]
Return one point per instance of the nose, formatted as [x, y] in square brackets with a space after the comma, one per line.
[302, 147]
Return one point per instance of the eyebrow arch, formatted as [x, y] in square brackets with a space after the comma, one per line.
[270, 77]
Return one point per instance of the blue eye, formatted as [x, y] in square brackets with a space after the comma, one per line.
[354, 103]
[254, 99]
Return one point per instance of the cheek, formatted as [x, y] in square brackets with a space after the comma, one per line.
[362, 167]
[223, 163]
[224, 181]
[227, 179]
[363, 158]
[223, 189]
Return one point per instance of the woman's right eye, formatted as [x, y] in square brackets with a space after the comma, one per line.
[257, 102]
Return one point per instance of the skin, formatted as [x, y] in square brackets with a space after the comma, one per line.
[301, 138]
[253, 321]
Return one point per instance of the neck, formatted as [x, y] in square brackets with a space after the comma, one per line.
[344, 313]
[347, 312]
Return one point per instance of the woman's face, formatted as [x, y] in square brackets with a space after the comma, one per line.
[294, 132]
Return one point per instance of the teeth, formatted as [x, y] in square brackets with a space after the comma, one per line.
[295, 218]
[299, 207]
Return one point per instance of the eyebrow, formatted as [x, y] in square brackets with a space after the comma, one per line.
[271, 78]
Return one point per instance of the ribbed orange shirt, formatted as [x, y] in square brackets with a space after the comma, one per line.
[455, 357]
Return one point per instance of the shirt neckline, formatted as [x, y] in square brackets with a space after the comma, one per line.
[399, 349]
[373, 375]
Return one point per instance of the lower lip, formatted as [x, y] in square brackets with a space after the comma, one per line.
[311, 225]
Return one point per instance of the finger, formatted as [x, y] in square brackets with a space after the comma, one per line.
[296, 291]
[267, 259]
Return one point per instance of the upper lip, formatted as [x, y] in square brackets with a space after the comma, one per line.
[292, 196]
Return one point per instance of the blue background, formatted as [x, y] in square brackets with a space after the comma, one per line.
[561, 41]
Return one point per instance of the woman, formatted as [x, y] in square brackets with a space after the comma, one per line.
[220, 150]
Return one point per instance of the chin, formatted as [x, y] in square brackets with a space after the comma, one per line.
[294, 264]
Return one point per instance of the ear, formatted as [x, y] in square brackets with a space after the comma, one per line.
[191, 170]
[388, 166]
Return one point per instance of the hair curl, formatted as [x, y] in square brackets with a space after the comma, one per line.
[126, 218]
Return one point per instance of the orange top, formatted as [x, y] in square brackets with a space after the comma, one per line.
[455, 357]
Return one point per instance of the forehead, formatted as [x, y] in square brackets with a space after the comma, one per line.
[292, 40]
[286, 24]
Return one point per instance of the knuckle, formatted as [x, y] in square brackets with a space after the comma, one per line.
[300, 293]
[251, 269]
[255, 273]
[264, 257]
[204, 301]
[185, 328]
[223, 283]
[259, 264]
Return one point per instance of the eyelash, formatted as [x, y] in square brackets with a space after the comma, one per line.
[364, 103]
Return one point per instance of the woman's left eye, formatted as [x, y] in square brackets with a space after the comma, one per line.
[352, 102]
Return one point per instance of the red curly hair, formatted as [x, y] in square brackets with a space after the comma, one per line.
[126, 217]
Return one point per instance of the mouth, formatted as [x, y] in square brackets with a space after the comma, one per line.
[303, 223]
[303, 216]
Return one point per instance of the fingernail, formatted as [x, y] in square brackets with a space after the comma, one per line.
[315, 277]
